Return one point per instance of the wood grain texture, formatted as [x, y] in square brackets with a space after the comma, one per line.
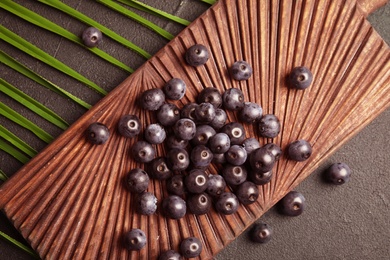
[69, 201]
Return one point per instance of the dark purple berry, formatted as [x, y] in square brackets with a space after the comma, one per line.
[203, 134]
[188, 111]
[146, 203]
[219, 143]
[300, 78]
[227, 203]
[172, 141]
[152, 99]
[241, 70]
[250, 144]
[197, 55]
[260, 178]
[210, 95]
[236, 155]
[219, 158]
[97, 133]
[201, 156]
[175, 89]
[135, 239]
[143, 151]
[299, 150]
[184, 129]
[168, 114]
[250, 113]
[158, 169]
[129, 126]
[175, 185]
[155, 134]
[247, 193]
[235, 131]
[92, 37]
[269, 126]
[293, 204]
[234, 174]
[174, 207]
[199, 204]
[178, 159]
[170, 255]
[261, 233]
[191, 247]
[204, 113]
[219, 119]
[261, 160]
[216, 185]
[338, 173]
[137, 180]
[233, 99]
[196, 181]
[274, 149]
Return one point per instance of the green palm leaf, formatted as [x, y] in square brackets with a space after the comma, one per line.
[17, 142]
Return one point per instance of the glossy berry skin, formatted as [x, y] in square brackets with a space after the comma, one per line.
[158, 169]
[241, 70]
[155, 134]
[175, 185]
[261, 160]
[261, 233]
[137, 180]
[219, 158]
[152, 99]
[274, 149]
[170, 255]
[199, 203]
[203, 135]
[233, 99]
[184, 129]
[172, 141]
[234, 174]
[97, 133]
[168, 114]
[219, 119]
[300, 78]
[191, 247]
[299, 150]
[236, 155]
[338, 173]
[247, 193]
[174, 207]
[210, 95]
[135, 239]
[235, 131]
[146, 203]
[92, 37]
[129, 126]
[216, 185]
[175, 89]
[219, 143]
[260, 178]
[178, 159]
[293, 204]
[201, 156]
[196, 181]
[204, 113]
[188, 111]
[227, 203]
[250, 144]
[197, 55]
[250, 113]
[269, 126]
[143, 152]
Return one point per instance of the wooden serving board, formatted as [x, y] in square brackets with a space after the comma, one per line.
[69, 201]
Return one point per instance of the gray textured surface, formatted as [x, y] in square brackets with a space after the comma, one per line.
[346, 222]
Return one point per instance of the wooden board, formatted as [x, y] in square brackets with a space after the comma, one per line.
[69, 201]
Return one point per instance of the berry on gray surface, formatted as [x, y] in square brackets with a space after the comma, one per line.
[178, 159]
[137, 180]
[236, 155]
[158, 169]
[250, 113]
[235, 131]
[196, 181]
[184, 128]
[261, 233]
[199, 203]
[135, 239]
[234, 174]
[197, 55]
[210, 95]
[269, 126]
[146, 203]
[175, 89]
[191, 247]
[92, 37]
[241, 70]
[168, 114]
[152, 99]
[174, 207]
[219, 143]
[143, 151]
[129, 126]
[97, 133]
[300, 78]
[293, 204]
[247, 193]
[233, 99]
[338, 173]
[227, 203]
[299, 150]
[155, 134]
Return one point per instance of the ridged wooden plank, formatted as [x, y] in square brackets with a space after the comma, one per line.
[69, 202]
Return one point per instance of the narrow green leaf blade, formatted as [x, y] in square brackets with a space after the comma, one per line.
[18, 244]
[11, 150]
[3, 176]
[17, 142]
